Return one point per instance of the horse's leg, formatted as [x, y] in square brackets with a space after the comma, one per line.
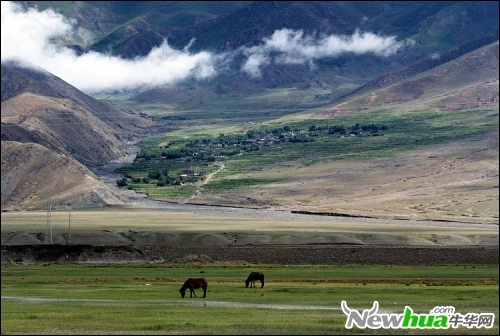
[204, 292]
[192, 292]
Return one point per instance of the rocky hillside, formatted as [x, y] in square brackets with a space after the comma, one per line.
[51, 135]
[466, 82]
[46, 103]
[32, 173]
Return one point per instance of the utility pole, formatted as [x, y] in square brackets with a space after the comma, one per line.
[69, 224]
[48, 229]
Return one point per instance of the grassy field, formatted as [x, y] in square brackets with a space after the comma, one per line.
[307, 142]
[443, 181]
[145, 299]
[414, 166]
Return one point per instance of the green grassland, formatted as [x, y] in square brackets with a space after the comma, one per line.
[356, 137]
[145, 299]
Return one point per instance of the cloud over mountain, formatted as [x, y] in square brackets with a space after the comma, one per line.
[293, 47]
[33, 38]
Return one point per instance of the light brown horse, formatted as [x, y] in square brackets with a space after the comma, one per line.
[192, 284]
[254, 276]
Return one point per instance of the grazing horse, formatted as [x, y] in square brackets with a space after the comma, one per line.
[254, 276]
[192, 284]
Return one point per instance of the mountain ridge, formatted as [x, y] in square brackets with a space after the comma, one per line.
[93, 132]
[45, 119]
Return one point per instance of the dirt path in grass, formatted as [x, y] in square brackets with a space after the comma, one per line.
[199, 186]
[191, 302]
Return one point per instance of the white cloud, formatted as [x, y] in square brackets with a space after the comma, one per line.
[28, 36]
[32, 37]
[287, 46]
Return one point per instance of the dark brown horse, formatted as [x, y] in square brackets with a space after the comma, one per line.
[192, 284]
[254, 276]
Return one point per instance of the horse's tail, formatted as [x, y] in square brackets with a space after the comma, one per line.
[204, 286]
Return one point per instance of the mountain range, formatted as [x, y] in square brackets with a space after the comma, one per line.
[55, 136]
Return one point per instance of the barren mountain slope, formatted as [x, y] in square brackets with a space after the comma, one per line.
[467, 82]
[63, 126]
[32, 173]
[56, 133]
[17, 80]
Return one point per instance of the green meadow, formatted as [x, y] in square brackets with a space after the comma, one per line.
[302, 300]
[355, 138]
